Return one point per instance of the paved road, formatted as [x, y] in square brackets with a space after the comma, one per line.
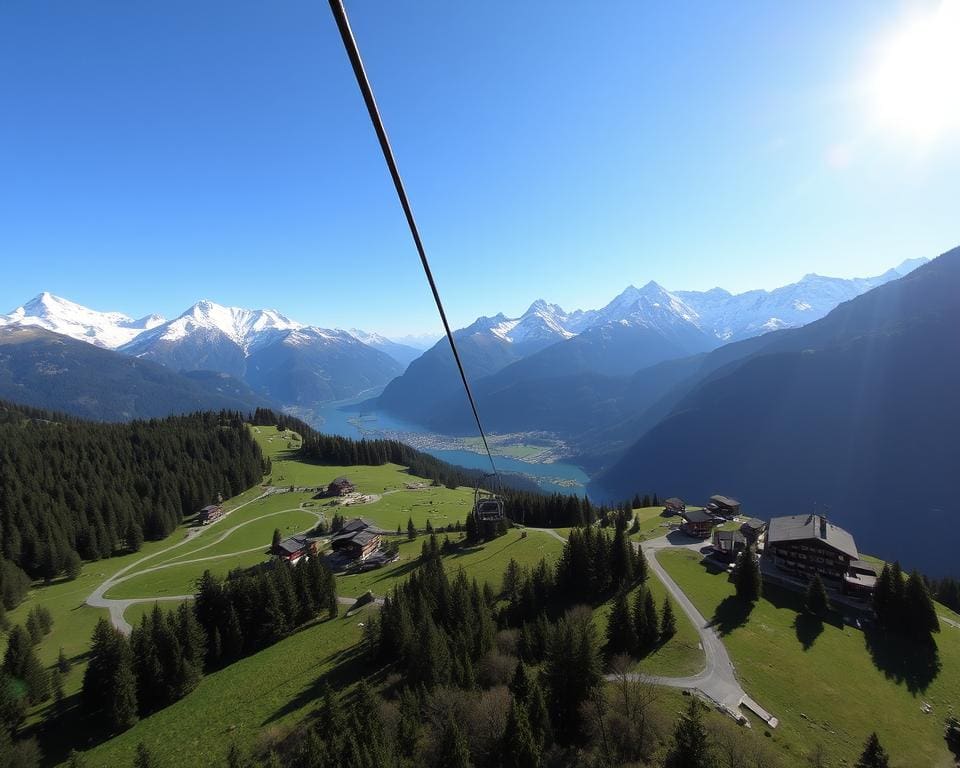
[116, 607]
[718, 680]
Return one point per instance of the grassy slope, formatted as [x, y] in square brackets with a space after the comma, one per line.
[267, 692]
[834, 683]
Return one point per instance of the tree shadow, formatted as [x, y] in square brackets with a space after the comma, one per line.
[348, 665]
[910, 661]
[808, 628]
[730, 614]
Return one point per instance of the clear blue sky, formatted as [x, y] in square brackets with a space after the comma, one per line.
[155, 153]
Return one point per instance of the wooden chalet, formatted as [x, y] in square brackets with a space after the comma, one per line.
[340, 487]
[727, 545]
[295, 547]
[754, 530]
[697, 523]
[209, 513]
[723, 506]
[674, 506]
[358, 539]
[805, 545]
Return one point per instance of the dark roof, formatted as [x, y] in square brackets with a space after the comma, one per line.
[359, 524]
[724, 501]
[812, 527]
[294, 544]
[754, 523]
[210, 508]
[696, 516]
[673, 501]
[863, 565]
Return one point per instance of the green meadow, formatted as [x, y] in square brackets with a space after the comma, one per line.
[829, 683]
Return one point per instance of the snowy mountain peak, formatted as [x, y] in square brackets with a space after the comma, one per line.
[54, 313]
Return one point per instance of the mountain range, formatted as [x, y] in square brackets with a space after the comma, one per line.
[856, 412]
[566, 356]
[263, 354]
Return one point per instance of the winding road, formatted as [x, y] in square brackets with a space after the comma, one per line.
[718, 680]
[117, 606]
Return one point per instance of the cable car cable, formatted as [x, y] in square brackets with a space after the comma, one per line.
[350, 43]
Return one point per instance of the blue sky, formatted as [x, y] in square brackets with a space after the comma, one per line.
[152, 154]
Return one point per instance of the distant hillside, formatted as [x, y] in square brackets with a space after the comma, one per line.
[47, 370]
[858, 412]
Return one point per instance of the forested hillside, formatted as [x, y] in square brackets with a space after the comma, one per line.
[71, 489]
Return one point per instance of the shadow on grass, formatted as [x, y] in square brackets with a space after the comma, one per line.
[808, 628]
[910, 661]
[348, 666]
[730, 614]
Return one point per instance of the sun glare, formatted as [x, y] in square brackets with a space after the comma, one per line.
[915, 82]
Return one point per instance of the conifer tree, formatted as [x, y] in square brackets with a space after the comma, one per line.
[520, 684]
[275, 542]
[816, 598]
[873, 755]
[747, 577]
[539, 716]
[640, 568]
[668, 622]
[690, 747]
[411, 529]
[454, 751]
[651, 621]
[621, 636]
[919, 612]
[518, 747]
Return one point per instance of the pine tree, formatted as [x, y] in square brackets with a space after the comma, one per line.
[747, 577]
[635, 526]
[539, 716]
[668, 622]
[873, 755]
[640, 569]
[411, 529]
[275, 543]
[518, 747]
[520, 684]
[920, 615]
[651, 621]
[690, 746]
[621, 636]
[816, 599]
[454, 751]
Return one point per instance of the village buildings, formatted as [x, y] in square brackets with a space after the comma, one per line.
[358, 539]
[723, 506]
[209, 513]
[697, 523]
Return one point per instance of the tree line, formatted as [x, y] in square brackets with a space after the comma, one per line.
[167, 654]
[71, 489]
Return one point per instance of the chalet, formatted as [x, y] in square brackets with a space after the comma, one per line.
[209, 513]
[805, 545]
[340, 487]
[860, 579]
[295, 547]
[754, 530]
[697, 523]
[727, 545]
[674, 506]
[358, 539]
[723, 506]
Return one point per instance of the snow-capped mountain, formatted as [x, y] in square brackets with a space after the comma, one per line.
[290, 362]
[731, 317]
[103, 329]
[402, 353]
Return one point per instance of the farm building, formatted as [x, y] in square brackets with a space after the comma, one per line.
[754, 530]
[697, 523]
[804, 545]
[728, 544]
[209, 513]
[295, 547]
[340, 487]
[723, 506]
[357, 539]
[674, 506]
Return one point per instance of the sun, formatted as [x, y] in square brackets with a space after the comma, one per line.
[914, 85]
